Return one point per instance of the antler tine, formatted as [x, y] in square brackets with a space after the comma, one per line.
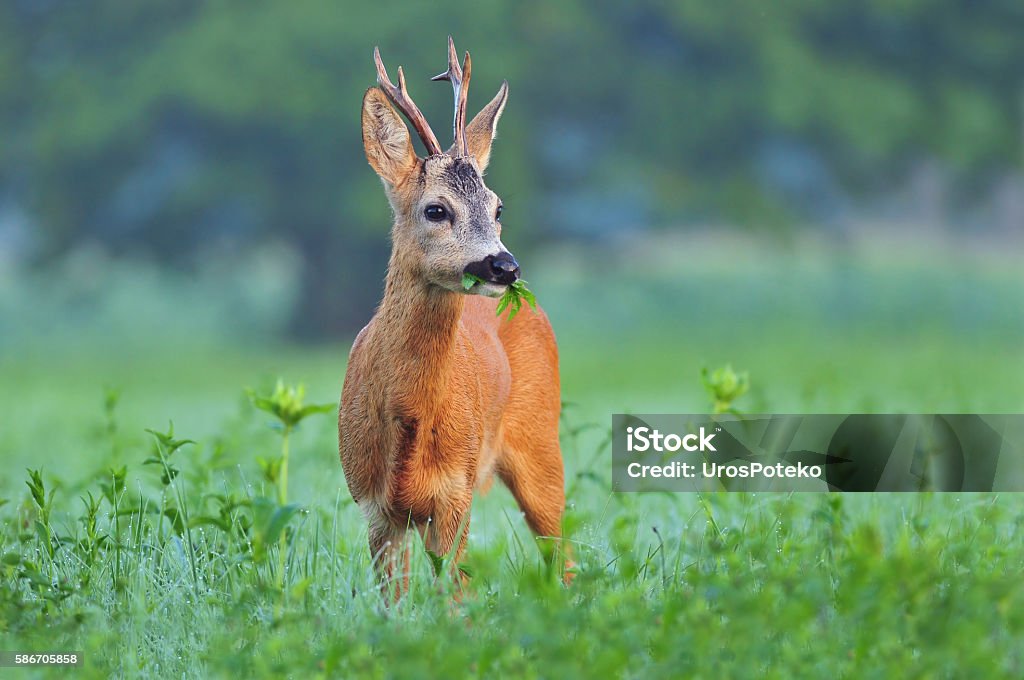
[453, 65]
[399, 96]
[459, 77]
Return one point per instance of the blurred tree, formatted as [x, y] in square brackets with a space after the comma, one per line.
[167, 126]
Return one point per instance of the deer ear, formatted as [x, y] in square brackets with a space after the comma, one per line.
[386, 138]
[481, 130]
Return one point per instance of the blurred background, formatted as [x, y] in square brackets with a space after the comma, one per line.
[827, 194]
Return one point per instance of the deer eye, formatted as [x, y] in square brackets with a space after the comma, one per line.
[435, 213]
[497, 213]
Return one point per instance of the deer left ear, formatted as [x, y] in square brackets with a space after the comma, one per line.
[482, 129]
[386, 139]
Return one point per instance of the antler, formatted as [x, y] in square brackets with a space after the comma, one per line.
[399, 96]
[459, 77]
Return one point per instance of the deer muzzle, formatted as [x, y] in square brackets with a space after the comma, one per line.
[501, 268]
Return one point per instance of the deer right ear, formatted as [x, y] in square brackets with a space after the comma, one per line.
[386, 138]
[482, 129]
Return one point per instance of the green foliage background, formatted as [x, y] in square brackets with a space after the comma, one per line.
[164, 127]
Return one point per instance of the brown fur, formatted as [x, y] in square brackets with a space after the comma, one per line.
[440, 393]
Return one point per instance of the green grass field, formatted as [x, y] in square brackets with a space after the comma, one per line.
[184, 579]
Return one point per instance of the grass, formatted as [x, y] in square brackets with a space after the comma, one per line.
[202, 562]
[718, 586]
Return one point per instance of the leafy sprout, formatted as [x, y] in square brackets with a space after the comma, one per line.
[165, 446]
[724, 386]
[513, 298]
[167, 440]
[286, 404]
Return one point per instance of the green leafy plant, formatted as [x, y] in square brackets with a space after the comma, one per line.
[90, 545]
[287, 405]
[724, 385]
[113, 488]
[513, 298]
[166, 445]
[44, 504]
[114, 484]
[269, 522]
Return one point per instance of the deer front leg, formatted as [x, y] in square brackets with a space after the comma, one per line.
[446, 535]
[534, 476]
[390, 552]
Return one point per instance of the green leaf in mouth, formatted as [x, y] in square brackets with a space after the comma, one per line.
[513, 299]
[470, 280]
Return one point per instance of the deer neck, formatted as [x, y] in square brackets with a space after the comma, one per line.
[420, 321]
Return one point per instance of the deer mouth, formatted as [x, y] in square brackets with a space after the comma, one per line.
[488, 289]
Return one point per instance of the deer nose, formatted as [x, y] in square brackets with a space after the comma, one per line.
[501, 268]
[504, 268]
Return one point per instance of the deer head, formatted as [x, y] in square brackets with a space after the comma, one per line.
[447, 222]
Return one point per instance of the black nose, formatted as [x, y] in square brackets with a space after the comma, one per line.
[501, 268]
[504, 268]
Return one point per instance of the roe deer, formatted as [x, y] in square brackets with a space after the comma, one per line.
[441, 393]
